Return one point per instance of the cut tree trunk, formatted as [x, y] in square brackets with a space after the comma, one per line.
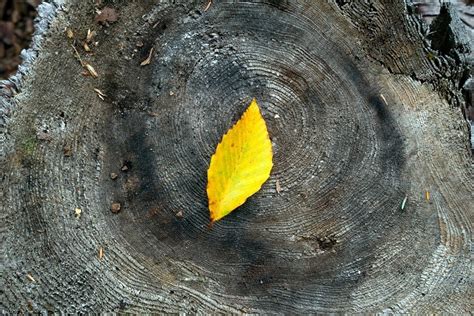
[103, 194]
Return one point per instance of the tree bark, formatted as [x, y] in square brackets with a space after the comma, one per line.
[371, 152]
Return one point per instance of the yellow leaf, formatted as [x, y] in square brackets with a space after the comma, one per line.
[241, 164]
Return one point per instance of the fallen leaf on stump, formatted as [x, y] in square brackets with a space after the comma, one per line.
[241, 164]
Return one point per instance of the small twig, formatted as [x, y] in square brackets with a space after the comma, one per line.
[278, 186]
[78, 56]
[208, 5]
[404, 202]
[30, 277]
[148, 59]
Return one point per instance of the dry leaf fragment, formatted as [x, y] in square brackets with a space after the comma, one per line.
[91, 70]
[86, 47]
[241, 164]
[179, 214]
[101, 253]
[106, 15]
[148, 59]
[69, 33]
[278, 186]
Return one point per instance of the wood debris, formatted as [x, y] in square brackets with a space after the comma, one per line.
[147, 61]
[115, 207]
[30, 277]
[101, 253]
[100, 94]
[427, 195]
[404, 202]
[78, 56]
[69, 33]
[91, 70]
[77, 212]
[208, 5]
[90, 35]
[278, 186]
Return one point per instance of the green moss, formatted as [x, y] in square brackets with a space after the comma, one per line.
[29, 146]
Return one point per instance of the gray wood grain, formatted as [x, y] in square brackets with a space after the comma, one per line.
[359, 120]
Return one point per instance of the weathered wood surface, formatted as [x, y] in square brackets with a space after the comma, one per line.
[356, 104]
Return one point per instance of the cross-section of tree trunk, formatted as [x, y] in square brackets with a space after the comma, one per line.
[369, 205]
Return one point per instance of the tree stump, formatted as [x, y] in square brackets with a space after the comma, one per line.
[104, 204]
